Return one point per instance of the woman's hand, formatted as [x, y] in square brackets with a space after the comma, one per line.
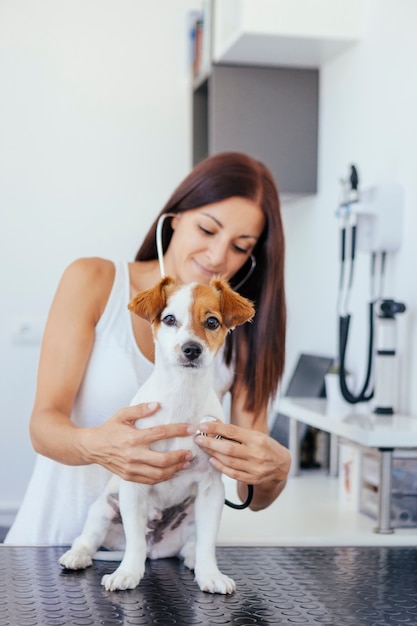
[125, 450]
[248, 456]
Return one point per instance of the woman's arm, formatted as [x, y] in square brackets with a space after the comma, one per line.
[270, 461]
[66, 346]
[247, 453]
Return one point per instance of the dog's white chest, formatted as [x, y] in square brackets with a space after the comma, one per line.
[179, 404]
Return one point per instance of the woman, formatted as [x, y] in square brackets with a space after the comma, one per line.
[223, 219]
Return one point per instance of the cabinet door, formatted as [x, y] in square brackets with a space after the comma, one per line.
[270, 113]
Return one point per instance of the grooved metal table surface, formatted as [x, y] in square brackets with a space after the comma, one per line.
[338, 586]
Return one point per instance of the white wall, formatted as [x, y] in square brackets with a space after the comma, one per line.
[367, 117]
[94, 135]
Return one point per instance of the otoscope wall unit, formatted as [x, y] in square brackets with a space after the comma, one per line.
[379, 218]
[370, 221]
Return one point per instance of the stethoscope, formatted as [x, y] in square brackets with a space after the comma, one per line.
[160, 254]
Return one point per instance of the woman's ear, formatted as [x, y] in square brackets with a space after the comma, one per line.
[175, 220]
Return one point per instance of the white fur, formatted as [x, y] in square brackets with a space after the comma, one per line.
[185, 395]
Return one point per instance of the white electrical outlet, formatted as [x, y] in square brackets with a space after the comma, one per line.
[27, 334]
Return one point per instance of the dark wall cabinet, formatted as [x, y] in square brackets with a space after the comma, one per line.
[268, 112]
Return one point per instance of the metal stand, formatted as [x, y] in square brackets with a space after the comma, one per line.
[334, 455]
[294, 446]
[385, 480]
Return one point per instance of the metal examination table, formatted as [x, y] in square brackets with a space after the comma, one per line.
[339, 586]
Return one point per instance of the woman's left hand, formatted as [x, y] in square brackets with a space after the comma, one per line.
[248, 456]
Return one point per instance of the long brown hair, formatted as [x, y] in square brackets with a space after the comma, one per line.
[216, 178]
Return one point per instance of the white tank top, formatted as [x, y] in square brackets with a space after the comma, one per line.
[57, 498]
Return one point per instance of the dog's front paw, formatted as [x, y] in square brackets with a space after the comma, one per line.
[76, 559]
[121, 579]
[215, 582]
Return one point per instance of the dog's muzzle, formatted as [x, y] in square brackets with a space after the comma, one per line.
[191, 350]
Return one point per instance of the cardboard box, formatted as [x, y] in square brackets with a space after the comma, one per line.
[349, 475]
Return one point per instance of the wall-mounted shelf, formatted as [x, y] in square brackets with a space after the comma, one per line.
[289, 33]
[260, 94]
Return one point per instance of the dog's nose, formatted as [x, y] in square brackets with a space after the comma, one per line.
[191, 350]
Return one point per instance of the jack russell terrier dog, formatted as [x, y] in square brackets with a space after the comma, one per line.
[181, 516]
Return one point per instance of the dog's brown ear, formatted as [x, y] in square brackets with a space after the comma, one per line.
[149, 303]
[235, 308]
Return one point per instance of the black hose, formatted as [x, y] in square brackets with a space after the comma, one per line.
[244, 504]
[344, 322]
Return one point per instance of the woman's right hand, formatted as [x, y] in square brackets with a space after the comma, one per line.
[125, 450]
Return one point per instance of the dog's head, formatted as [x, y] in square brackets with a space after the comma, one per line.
[190, 322]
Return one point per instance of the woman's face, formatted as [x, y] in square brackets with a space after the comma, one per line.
[215, 239]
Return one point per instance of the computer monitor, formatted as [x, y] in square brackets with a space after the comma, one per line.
[307, 380]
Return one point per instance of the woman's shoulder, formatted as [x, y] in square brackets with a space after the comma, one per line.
[89, 279]
[90, 272]
[88, 269]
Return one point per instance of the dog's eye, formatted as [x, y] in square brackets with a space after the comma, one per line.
[169, 320]
[212, 323]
